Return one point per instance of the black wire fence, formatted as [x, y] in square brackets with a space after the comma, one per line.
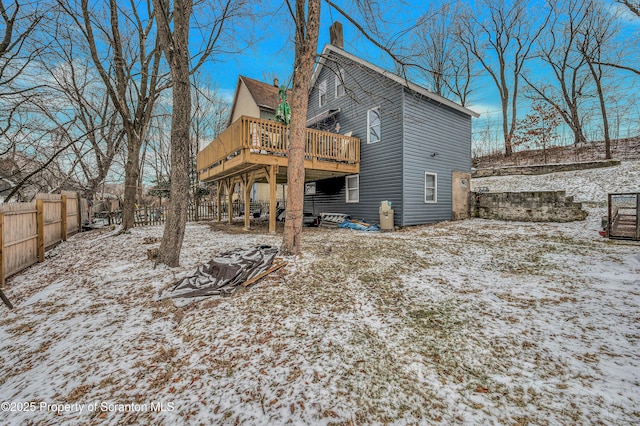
[154, 215]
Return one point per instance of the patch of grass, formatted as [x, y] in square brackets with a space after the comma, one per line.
[21, 328]
[78, 394]
[164, 355]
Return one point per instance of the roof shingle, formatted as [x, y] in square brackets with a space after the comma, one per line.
[265, 95]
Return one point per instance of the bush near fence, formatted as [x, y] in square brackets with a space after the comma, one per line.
[27, 230]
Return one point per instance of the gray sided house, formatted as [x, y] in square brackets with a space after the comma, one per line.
[411, 142]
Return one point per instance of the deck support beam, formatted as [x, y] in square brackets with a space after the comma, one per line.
[229, 201]
[273, 170]
[247, 183]
[219, 188]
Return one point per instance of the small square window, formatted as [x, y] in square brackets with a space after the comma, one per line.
[353, 188]
[310, 188]
[430, 187]
[322, 92]
[373, 125]
[340, 91]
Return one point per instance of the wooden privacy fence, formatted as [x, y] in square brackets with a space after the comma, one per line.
[27, 230]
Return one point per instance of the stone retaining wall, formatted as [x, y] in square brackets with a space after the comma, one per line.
[627, 149]
[541, 169]
[538, 206]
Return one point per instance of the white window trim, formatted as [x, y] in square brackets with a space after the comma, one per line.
[435, 188]
[340, 82]
[346, 188]
[323, 84]
[369, 125]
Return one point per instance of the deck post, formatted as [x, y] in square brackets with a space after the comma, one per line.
[230, 202]
[219, 187]
[246, 183]
[272, 199]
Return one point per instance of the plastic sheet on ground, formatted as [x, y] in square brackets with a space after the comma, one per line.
[358, 226]
[223, 274]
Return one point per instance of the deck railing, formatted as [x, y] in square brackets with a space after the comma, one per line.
[623, 221]
[259, 136]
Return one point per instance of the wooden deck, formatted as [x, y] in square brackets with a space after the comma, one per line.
[255, 150]
[252, 143]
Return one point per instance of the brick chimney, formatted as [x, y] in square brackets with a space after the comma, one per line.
[335, 35]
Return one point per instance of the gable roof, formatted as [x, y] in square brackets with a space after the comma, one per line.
[265, 95]
[402, 81]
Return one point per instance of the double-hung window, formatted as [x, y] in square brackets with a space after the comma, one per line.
[353, 188]
[430, 187]
[322, 93]
[340, 83]
[373, 125]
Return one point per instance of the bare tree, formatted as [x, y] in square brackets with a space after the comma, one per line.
[558, 51]
[596, 36]
[129, 67]
[20, 19]
[443, 60]
[175, 45]
[174, 22]
[629, 61]
[632, 5]
[210, 117]
[538, 128]
[74, 83]
[306, 16]
[19, 46]
[500, 36]
[157, 147]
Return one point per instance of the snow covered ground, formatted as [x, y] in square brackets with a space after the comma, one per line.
[475, 321]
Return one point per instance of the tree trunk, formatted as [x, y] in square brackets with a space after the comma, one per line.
[306, 47]
[132, 172]
[508, 150]
[603, 110]
[176, 49]
[576, 125]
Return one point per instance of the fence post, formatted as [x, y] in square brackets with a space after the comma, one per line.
[63, 225]
[40, 228]
[79, 201]
[608, 230]
[637, 215]
[2, 295]
[197, 203]
[1, 250]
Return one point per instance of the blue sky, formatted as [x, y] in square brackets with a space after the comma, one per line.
[272, 55]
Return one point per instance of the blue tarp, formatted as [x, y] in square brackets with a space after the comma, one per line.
[358, 226]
